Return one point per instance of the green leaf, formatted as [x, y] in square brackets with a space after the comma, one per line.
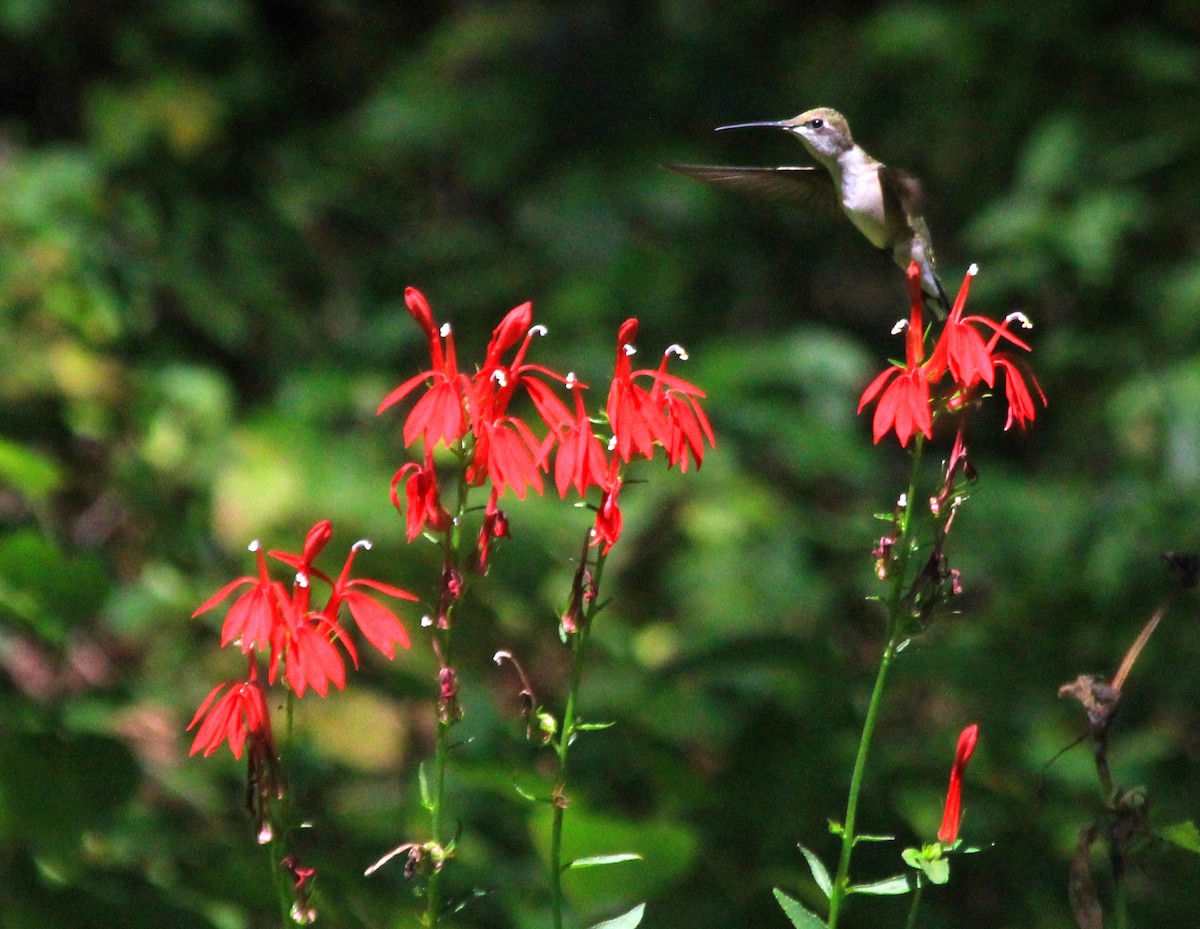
[795, 911]
[874, 838]
[892, 886]
[820, 875]
[592, 727]
[938, 870]
[525, 794]
[1184, 834]
[423, 780]
[595, 861]
[625, 921]
[669, 849]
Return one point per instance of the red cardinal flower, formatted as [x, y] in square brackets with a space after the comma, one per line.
[580, 461]
[687, 425]
[962, 351]
[904, 404]
[634, 415]
[507, 452]
[439, 416]
[377, 623]
[251, 621]
[423, 505]
[607, 528]
[952, 816]
[240, 714]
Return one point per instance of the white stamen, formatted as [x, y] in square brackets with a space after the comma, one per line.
[363, 544]
[900, 326]
[903, 501]
[445, 330]
[973, 270]
[254, 546]
[500, 656]
[571, 379]
[612, 444]
[500, 377]
[676, 349]
[539, 329]
[629, 349]
[301, 579]
[426, 620]
[1019, 317]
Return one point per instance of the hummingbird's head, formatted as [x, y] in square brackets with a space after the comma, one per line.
[824, 132]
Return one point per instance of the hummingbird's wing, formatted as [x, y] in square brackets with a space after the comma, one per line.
[810, 188]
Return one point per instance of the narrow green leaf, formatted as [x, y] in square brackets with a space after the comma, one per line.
[874, 838]
[592, 727]
[892, 886]
[596, 861]
[1184, 834]
[820, 875]
[795, 911]
[625, 921]
[426, 801]
[525, 794]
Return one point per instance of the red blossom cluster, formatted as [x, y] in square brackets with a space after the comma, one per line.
[962, 352]
[474, 416]
[301, 642]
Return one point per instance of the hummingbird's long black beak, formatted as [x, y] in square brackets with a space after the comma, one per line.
[772, 124]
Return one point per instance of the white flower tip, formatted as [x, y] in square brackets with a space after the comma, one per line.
[612, 444]
[361, 544]
[426, 620]
[629, 349]
[901, 325]
[1019, 317]
[445, 330]
[301, 579]
[539, 329]
[500, 377]
[677, 349]
[903, 501]
[254, 546]
[500, 656]
[973, 270]
[571, 379]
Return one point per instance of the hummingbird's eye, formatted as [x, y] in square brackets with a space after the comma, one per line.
[816, 123]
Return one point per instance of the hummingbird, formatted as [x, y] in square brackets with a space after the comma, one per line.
[883, 203]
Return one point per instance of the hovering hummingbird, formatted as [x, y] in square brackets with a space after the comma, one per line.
[883, 203]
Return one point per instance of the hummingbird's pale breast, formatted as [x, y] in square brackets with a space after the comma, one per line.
[856, 174]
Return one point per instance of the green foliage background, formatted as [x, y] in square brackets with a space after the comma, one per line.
[209, 210]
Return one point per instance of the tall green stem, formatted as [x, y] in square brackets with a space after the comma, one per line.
[566, 734]
[452, 561]
[895, 606]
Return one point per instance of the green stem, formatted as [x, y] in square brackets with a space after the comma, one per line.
[1120, 904]
[911, 922]
[452, 560]
[566, 735]
[895, 607]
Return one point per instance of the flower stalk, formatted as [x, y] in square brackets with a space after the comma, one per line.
[577, 627]
[896, 607]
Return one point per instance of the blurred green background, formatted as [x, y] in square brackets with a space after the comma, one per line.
[209, 210]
